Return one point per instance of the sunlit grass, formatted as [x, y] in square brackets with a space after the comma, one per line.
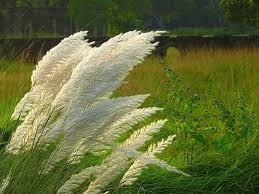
[14, 83]
[216, 147]
[220, 72]
[148, 77]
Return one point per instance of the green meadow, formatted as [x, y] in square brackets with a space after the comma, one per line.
[211, 99]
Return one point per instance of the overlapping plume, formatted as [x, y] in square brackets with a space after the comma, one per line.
[71, 98]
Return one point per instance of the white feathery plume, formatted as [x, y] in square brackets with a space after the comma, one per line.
[147, 159]
[139, 137]
[5, 183]
[97, 116]
[25, 105]
[107, 137]
[124, 123]
[162, 164]
[120, 158]
[76, 180]
[25, 133]
[105, 178]
[78, 152]
[71, 97]
[160, 146]
[53, 71]
[109, 169]
[117, 162]
[141, 164]
[87, 84]
[58, 54]
[119, 127]
[102, 174]
[90, 124]
[133, 172]
[96, 76]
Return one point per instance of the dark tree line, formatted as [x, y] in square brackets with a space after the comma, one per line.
[109, 17]
[114, 16]
[241, 11]
[33, 3]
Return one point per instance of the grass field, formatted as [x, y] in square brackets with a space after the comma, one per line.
[211, 100]
[14, 82]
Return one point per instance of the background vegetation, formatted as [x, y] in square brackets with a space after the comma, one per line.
[110, 17]
[209, 96]
[211, 100]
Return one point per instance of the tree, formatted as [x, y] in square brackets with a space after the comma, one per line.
[107, 17]
[241, 11]
[7, 3]
[115, 16]
[161, 13]
[169, 14]
[91, 14]
[126, 15]
[33, 3]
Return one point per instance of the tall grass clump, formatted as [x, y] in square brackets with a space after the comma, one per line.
[217, 142]
[69, 126]
[14, 82]
[215, 119]
[214, 136]
[220, 72]
[15, 71]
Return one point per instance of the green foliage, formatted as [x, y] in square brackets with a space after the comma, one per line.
[110, 17]
[216, 143]
[218, 31]
[241, 11]
[40, 3]
[212, 139]
[126, 15]
[91, 14]
[8, 3]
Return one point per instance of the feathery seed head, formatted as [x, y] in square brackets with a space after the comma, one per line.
[71, 96]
